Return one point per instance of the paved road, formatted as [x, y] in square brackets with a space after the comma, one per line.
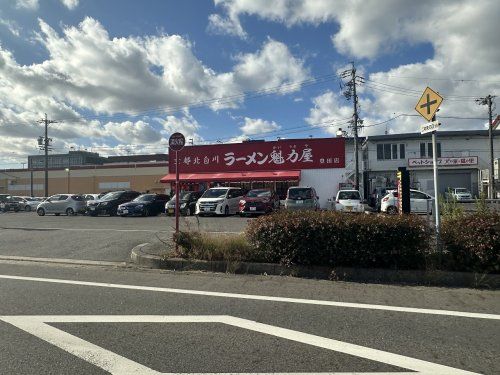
[124, 320]
[94, 238]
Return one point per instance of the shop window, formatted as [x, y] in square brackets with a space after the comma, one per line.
[394, 151]
[422, 150]
[429, 152]
[380, 152]
[402, 151]
[389, 151]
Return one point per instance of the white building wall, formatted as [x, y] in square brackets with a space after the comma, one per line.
[325, 181]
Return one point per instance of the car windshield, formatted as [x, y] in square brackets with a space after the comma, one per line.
[304, 193]
[215, 193]
[78, 197]
[145, 198]
[111, 196]
[259, 193]
[344, 195]
[461, 190]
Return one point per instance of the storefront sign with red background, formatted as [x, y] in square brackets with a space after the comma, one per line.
[262, 156]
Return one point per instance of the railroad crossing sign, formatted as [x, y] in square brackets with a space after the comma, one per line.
[429, 103]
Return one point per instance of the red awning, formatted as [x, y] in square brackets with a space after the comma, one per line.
[234, 176]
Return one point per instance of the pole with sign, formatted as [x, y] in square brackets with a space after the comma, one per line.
[176, 143]
[427, 107]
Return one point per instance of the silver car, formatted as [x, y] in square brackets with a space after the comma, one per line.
[28, 203]
[69, 204]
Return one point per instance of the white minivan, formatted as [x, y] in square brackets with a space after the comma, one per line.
[219, 201]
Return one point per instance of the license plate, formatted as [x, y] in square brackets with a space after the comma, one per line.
[125, 211]
[348, 208]
[253, 208]
[299, 202]
[92, 208]
[170, 210]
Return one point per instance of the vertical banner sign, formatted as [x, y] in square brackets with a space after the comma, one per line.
[176, 143]
[403, 191]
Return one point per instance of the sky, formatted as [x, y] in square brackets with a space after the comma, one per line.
[120, 76]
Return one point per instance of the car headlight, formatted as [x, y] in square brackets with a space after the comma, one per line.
[183, 205]
[219, 201]
[243, 201]
[104, 203]
[140, 206]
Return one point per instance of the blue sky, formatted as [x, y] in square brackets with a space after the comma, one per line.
[101, 66]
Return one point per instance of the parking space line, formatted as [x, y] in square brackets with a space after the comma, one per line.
[255, 297]
[116, 364]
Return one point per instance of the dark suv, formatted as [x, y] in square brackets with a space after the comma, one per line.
[108, 204]
[8, 203]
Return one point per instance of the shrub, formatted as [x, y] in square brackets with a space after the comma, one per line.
[472, 242]
[337, 239]
[210, 246]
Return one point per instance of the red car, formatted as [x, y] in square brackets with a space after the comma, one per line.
[259, 201]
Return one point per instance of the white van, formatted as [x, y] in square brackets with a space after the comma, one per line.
[219, 201]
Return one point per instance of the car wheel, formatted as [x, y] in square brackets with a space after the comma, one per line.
[226, 211]
[40, 212]
[392, 210]
[70, 211]
[27, 208]
[188, 212]
[145, 212]
[57, 214]
[112, 213]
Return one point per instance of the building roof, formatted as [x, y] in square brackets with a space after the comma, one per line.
[136, 158]
[458, 133]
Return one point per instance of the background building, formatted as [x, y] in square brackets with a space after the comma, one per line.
[70, 159]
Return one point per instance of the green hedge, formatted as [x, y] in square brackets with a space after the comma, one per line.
[472, 242]
[337, 239]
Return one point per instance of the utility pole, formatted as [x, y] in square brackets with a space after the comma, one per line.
[45, 145]
[488, 100]
[356, 122]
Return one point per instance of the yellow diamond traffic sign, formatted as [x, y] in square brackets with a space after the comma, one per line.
[429, 103]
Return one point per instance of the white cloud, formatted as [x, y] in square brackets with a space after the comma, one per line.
[70, 4]
[87, 69]
[130, 132]
[185, 124]
[12, 26]
[27, 4]
[256, 126]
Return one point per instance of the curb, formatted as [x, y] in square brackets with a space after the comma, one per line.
[79, 262]
[363, 275]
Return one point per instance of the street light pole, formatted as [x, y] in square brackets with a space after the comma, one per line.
[68, 177]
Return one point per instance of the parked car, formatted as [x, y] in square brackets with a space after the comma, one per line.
[219, 201]
[9, 203]
[419, 201]
[187, 203]
[458, 194]
[28, 203]
[376, 196]
[92, 197]
[259, 201]
[69, 204]
[108, 204]
[301, 198]
[349, 201]
[144, 205]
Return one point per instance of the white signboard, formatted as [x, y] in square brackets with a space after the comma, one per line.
[443, 162]
[429, 127]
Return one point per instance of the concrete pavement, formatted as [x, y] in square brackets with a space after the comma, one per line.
[169, 322]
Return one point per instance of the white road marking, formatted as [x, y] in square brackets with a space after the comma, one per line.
[259, 297]
[116, 364]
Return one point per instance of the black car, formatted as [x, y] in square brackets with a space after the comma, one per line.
[144, 205]
[187, 203]
[9, 203]
[108, 204]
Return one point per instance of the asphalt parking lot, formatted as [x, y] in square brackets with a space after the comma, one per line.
[100, 238]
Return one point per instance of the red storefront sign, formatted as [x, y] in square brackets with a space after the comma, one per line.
[294, 154]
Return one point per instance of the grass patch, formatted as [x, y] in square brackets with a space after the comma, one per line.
[215, 247]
